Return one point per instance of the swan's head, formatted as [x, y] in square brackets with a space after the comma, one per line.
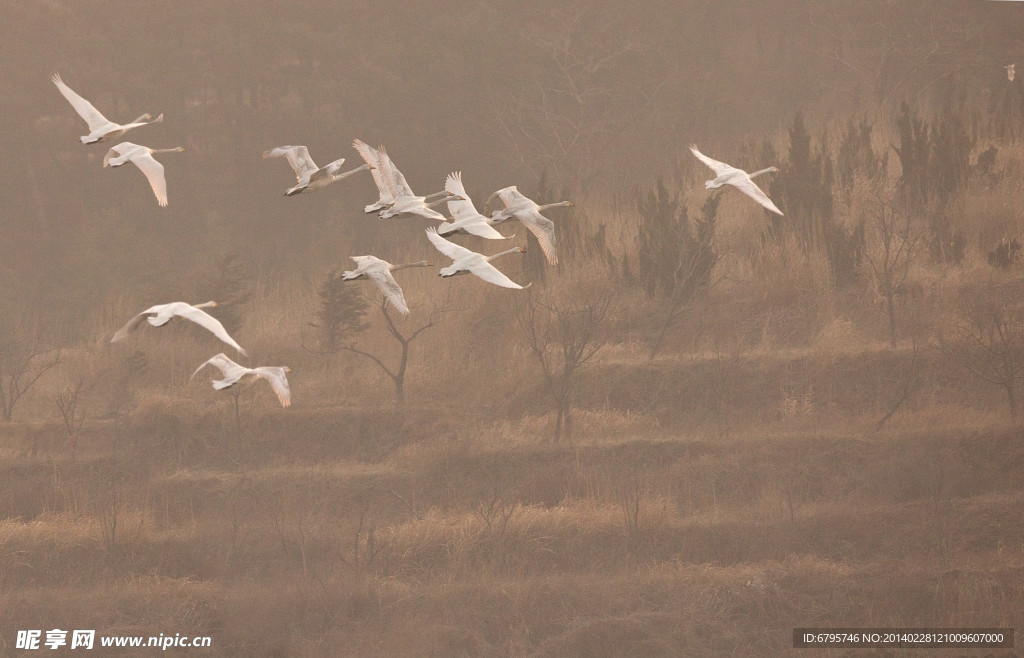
[209, 304]
[522, 250]
[286, 369]
[773, 170]
[179, 149]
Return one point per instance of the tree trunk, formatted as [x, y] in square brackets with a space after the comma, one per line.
[892, 319]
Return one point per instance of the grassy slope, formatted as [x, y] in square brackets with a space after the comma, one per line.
[646, 534]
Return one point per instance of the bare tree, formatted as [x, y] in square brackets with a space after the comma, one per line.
[397, 373]
[71, 411]
[24, 358]
[989, 341]
[892, 247]
[563, 333]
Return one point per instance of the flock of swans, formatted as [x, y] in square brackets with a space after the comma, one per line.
[395, 198]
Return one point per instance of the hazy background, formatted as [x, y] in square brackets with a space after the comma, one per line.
[707, 426]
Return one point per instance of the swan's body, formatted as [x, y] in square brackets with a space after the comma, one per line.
[142, 157]
[741, 180]
[466, 261]
[234, 373]
[161, 314]
[396, 197]
[1009, 71]
[465, 217]
[310, 176]
[101, 129]
[376, 160]
[379, 271]
[529, 213]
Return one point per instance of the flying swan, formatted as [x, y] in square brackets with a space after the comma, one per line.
[375, 159]
[466, 261]
[465, 217]
[741, 180]
[143, 158]
[161, 314]
[379, 271]
[233, 373]
[396, 197]
[528, 212]
[310, 176]
[101, 129]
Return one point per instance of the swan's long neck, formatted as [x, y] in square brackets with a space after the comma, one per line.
[421, 263]
[176, 149]
[365, 167]
[762, 171]
[504, 253]
[205, 305]
[443, 193]
[554, 205]
[434, 203]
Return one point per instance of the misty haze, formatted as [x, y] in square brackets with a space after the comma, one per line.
[657, 329]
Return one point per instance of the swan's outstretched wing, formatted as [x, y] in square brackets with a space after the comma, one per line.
[129, 326]
[372, 157]
[449, 249]
[460, 208]
[750, 188]
[395, 180]
[718, 167]
[84, 108]
[278, 382]
[154, 171]
[491, 274]
[544, 230]
[221, 362]
[386, 283]
[211, 324]
[298, 158]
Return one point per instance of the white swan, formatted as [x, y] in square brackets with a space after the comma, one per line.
[375, 160]
[379, 271]
[233, 373]
[161, 314]
[143, 158]
[396, 197]
[528, 212]
[101, 129]
[741, 180]
[310, 176]
[465, 217]
[466, 261]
